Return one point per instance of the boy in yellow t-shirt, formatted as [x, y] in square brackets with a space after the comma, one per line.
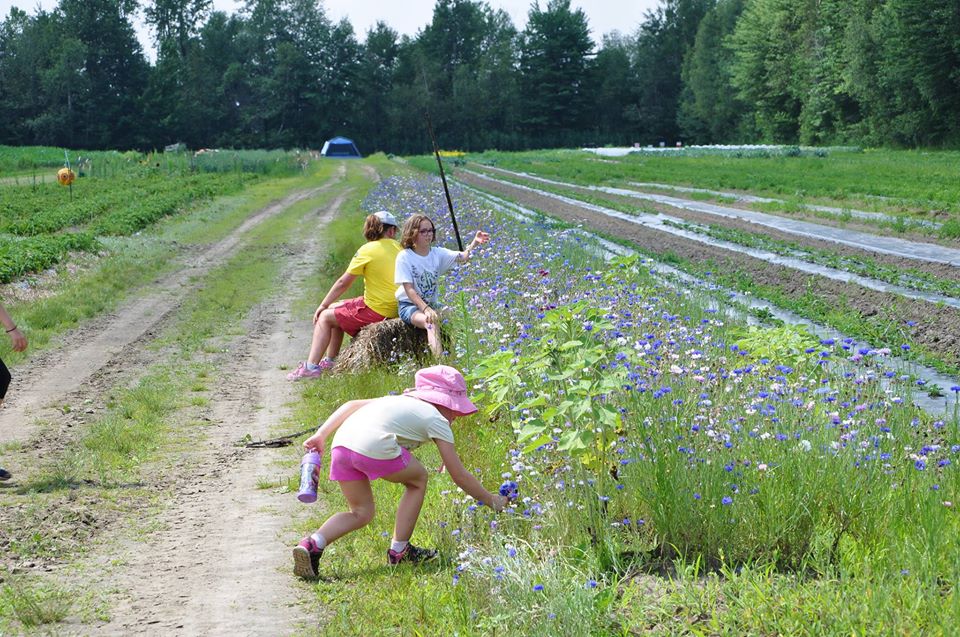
[375, 262]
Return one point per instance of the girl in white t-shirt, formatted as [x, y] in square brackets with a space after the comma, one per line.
[418, 270]
[373, 439]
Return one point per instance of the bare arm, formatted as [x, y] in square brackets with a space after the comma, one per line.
[17, 339]
[417, 300]
[479, 239]
[340, 286]
[318, 441]
[466, 480]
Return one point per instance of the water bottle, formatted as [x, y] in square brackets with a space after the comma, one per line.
[510, 490]
[309, 477]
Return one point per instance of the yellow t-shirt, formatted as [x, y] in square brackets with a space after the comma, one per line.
[375, 261]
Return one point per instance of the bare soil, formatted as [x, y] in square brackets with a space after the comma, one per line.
[937, 329]
[801, 215]
[941, 270]
[220, 562]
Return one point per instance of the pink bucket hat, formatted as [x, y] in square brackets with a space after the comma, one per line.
[442, 385]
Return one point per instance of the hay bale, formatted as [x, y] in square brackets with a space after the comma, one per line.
[385, 343]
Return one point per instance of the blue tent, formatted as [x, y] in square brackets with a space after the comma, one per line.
[340, 147]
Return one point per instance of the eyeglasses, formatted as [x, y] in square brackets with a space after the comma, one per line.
[428, 231]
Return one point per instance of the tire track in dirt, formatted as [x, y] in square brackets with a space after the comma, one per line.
[220, 564]
[94, 357]
[937, 328]
[939, 269]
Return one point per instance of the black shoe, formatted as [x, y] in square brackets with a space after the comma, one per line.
[412, 554]
[4, 475]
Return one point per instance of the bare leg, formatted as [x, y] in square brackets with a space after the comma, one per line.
[359, 497]
[419, 319]
[323, 335]
[414, 479]
[336, 340]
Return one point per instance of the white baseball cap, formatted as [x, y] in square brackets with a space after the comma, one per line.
[386, 218]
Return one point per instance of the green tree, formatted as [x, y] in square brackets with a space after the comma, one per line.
[768, 66]
[709, 111]
[663, 41]
[176, 23]
[109, 113]
[611, 91]
[554, 48]
[921, 58]
[374, 82]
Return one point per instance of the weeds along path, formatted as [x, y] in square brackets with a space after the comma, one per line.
[941, 325]
[921, 254]
[92, 358]
[218, 563]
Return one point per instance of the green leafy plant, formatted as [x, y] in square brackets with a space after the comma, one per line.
[782, 343]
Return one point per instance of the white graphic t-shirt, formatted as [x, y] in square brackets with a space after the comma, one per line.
[423, 272]
[381, 427]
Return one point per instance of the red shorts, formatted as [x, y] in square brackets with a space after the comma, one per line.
[353, 314]
[347, 465]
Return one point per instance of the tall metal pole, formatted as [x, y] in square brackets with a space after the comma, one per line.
[443, 178]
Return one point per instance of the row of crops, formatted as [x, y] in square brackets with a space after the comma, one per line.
[30, 165]
[645, 425]
[117, 194]
[41, 225]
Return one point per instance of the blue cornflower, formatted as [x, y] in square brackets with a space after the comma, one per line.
[538, 587]
[591, 583]
[726, 500]
[920, 465]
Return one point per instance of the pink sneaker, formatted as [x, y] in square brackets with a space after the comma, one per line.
[306, 558]
[302, 371]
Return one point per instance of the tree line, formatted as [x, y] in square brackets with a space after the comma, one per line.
[281, 73]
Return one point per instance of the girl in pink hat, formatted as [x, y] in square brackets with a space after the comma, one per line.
[373, 439]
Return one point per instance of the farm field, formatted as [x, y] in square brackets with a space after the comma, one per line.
[917, 185]
[892, 291]
[684, 466]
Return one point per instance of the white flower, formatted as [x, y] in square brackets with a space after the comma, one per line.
[804, 445]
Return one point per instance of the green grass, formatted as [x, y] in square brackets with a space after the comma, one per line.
[34, 605]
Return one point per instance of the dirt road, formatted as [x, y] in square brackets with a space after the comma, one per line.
[219, 563]
[211, 555]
